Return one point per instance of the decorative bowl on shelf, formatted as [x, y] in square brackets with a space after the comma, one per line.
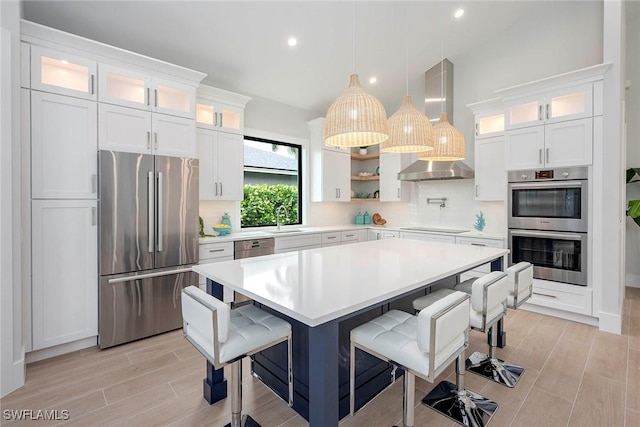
[222, 229]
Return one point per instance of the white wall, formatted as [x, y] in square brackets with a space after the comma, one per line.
[633, 137]
[12, 348]
[522, 53]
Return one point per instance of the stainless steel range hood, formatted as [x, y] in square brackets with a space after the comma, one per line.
[434, 104]
[425, 171]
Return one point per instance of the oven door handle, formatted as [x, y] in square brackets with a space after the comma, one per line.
[559, 236]
[548, 184]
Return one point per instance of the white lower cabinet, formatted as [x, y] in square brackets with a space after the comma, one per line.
[562, 296]
[297, 242]
[331, 239]
[138, 131]
[479, 241]
[427, 236]
[215, 252]
[353, 236]
[374, 234]
[64, 271]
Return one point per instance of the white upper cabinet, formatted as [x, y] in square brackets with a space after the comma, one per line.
[550, 122]
[558, 105]
[221, 110]
[139, 90]
[490, 171]
[330, 169]
[63, 73]
[391, 188]
[63, 147]
[136, 131]
[221, 165]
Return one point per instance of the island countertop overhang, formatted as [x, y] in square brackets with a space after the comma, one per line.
[315, 286]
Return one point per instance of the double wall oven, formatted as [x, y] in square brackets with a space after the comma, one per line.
[548, 222]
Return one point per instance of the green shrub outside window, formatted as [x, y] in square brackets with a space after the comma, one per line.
[261, 201]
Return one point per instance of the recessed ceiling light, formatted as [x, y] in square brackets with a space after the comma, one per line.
[373, 80]
[458, 13]
[292, 41]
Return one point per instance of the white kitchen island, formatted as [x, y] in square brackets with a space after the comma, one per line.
[326, 292]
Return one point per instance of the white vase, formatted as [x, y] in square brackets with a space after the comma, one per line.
[363, 151]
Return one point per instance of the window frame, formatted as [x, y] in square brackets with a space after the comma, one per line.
[300, 148]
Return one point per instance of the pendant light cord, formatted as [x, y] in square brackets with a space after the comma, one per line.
[441, 68]
[406, 48]
[354, 37]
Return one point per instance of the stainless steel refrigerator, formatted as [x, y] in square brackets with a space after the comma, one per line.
[148, 222]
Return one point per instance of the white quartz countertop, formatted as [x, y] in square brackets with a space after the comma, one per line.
[256, 234]
[315, 286]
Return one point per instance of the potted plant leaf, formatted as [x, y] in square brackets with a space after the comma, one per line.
[633, 207]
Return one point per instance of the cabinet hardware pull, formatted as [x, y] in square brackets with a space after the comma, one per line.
[547, 155]
[155, 144]
[398, 193]
[215, 119]
[476, 190]
[221, 117]
[94, 183]
[544, 295]
[348, 235]
[220, 189]
[93, 216]
[155, 97]
[148, 101]
[148, 140]
[92, 84]
[477, 244]
[548, 108]
[477, 129]
[540, 155]
[216, 250]
[540, 112]
[331, 237]
[216, 189]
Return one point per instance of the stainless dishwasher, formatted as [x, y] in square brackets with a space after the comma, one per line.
[249, 249]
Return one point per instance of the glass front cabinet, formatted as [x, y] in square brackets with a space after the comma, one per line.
[66, 74]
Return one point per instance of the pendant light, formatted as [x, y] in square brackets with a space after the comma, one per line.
[356, 118]
[448, 142]
[410, 131]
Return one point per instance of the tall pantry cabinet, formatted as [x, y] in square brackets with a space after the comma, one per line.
[62, 79]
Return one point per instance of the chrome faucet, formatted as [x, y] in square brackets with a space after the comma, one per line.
[286, 213]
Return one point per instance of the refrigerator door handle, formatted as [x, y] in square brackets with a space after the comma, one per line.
[150, 208]
[149, 275]
[159, 210]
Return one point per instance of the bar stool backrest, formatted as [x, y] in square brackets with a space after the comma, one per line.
[442, 329]
[520, 283]
[206, 322]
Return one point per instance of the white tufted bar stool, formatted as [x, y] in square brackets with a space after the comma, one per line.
[489, 305]
[520, 284]
[225, 336]
[424, 345]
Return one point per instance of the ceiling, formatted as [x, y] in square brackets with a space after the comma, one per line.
[242, 45]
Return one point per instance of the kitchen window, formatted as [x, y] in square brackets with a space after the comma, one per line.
[272, 178]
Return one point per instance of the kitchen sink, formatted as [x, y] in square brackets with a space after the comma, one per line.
[437, 229]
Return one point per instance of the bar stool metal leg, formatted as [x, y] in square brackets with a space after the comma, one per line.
[489, 366]
[462, 406]
[409, 396]
[237, 420]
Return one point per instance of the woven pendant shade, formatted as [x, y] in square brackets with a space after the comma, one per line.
[410, 131]
[448, 142]
[355, 119]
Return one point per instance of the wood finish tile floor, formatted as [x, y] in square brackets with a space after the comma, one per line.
[575, 376]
